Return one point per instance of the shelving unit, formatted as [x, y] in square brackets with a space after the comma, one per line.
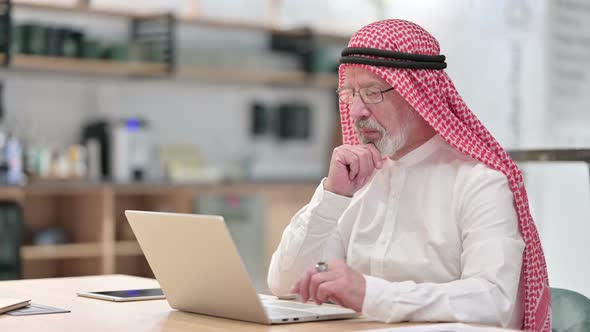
[551, 155]
[61, 251]
[155, 29]
[197, 21]
[144, 69]
[83, 66]
[91, 214]
[127, 248]
[169, 69]
[100, 239]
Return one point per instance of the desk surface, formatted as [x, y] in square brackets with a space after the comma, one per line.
[89, 315]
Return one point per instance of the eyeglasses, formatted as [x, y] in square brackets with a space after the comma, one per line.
[372, 95]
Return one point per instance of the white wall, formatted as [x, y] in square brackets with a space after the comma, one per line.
[497, 56]
[213, 116]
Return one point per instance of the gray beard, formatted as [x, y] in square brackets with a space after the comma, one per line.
[388, 144]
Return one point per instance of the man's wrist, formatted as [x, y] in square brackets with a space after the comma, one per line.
[331, 205]
[329, 186]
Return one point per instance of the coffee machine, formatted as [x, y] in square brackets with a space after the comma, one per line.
[124, 148]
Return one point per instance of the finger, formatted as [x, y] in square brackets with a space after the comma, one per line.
[334, 300]
[342, 156]
[295, 289]
[365, 161]
[316, 280]
[336, 264]
[327, 290]
[351, 160]
[377, 158]
[304, 285]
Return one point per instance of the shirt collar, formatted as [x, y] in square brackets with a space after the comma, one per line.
[420, 153]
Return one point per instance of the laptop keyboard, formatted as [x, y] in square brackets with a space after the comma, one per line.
[273, 311]
[290, 309]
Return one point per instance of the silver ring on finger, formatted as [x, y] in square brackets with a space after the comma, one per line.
[321, 267]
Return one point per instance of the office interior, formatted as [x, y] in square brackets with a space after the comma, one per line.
[228, 107]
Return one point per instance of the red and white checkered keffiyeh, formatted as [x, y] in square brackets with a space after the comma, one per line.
[432, 94]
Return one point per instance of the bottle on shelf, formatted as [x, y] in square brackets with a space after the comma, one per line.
[13, 152]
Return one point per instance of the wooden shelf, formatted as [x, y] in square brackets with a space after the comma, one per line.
[266, 77]
[83, 66]
[126, 69]
[13, 193]
[96, 222]
[73, 250]
[127, 248]
[224, 24]
[258, 27]
[326, 80]
[120, 68]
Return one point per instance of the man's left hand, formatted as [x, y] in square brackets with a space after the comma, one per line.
[340, 284]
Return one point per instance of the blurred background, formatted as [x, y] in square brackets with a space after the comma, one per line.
[229, 107]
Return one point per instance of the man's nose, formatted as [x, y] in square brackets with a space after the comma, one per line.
[358, 109]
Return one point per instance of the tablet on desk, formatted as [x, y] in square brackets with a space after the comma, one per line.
[126, 295]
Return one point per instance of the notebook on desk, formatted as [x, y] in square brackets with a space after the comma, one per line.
[7, 304]
[200, 271]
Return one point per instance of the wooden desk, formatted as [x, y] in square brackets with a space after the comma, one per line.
[89, 315]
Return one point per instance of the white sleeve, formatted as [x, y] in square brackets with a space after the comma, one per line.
[311, 236]
[491, 262]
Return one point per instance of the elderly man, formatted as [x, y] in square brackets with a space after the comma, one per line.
[423, 216]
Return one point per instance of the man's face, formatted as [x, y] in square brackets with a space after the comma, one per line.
[386, 124]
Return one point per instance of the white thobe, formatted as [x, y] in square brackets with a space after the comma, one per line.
[435, 235]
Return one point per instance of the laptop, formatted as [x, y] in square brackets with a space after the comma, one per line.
[200, 270]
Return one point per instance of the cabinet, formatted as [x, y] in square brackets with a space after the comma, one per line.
[99, 238]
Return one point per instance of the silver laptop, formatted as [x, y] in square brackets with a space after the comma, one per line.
[199, 270]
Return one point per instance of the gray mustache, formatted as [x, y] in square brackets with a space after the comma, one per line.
[368, 124]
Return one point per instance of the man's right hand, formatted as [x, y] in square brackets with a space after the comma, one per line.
[351, 167]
